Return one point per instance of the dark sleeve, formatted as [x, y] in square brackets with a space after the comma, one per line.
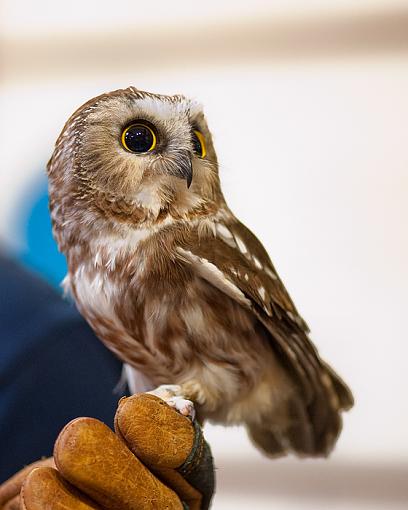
[52, 369]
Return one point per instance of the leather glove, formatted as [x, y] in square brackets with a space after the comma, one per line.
[157, 459]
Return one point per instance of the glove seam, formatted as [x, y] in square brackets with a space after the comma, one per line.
[196, 453]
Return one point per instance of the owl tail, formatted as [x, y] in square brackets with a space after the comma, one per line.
[308, 429]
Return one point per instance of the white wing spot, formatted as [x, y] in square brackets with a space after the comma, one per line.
[246, 276]
[225, 234]
[223, 231]
[257, 262]
[241, 245]
[295, 318]
[268, 312]
[270, 273]
[262, 293]
[213, 275]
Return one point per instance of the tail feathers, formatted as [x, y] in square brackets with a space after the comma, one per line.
[297, 435]
[266, 440]
[344, 395]
[310, 429]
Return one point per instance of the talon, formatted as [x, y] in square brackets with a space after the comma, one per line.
[183, 406]
[171, 394]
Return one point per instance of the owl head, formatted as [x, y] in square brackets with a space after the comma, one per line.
[133, 157]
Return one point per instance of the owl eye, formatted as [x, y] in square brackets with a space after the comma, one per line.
[199, 143]
[139, 137]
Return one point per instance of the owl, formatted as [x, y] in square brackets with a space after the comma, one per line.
[174, 284]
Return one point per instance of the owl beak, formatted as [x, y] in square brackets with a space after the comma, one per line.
[185, 170]
[189, 174]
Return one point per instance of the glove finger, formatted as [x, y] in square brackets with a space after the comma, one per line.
[12, 504]
[168, 443]
[157, 434]
[91, 457]
[44, 488]
[10, 489]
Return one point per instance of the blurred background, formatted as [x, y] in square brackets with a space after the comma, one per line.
[320, 89]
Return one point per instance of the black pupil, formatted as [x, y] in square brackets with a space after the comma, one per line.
[139, 138]
[197, 145]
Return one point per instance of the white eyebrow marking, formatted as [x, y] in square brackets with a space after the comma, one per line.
[166, 110]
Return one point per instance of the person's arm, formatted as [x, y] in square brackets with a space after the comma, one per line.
[52, 368]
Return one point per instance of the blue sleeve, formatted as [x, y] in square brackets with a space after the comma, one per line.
[52, 369]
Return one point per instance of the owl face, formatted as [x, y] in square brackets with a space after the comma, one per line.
[129, 150]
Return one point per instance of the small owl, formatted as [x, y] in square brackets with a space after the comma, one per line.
[174, 284]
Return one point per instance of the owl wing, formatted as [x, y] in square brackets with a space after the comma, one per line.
[234, 261]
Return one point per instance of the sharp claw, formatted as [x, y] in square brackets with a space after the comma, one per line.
[171, 395]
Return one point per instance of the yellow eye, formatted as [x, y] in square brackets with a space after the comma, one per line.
[139, 138]
[199, 146]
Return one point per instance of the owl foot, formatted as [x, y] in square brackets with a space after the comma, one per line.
[172, 395]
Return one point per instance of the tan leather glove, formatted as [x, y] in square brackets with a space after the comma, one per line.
[157, 459]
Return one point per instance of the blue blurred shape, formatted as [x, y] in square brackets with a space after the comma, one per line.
[41, 253]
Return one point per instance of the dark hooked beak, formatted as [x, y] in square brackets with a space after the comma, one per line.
[189, 177]
[182, 167]
[186, 170]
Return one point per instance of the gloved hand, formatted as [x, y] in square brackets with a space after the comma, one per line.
[157, 459]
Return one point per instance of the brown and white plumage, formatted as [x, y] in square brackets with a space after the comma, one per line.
[175, 285]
